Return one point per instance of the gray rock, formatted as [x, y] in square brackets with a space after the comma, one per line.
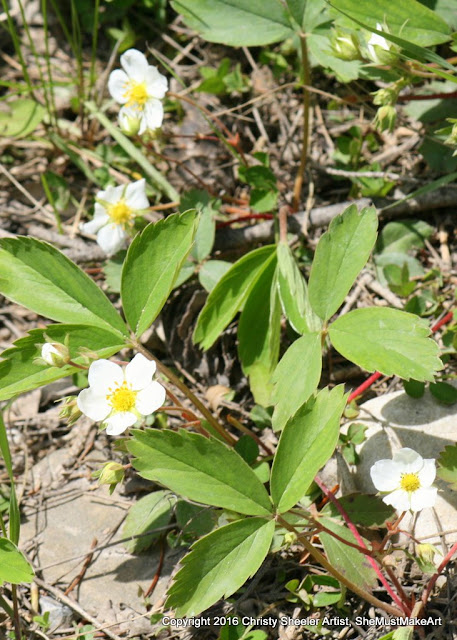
[70, 515]
[396, 420]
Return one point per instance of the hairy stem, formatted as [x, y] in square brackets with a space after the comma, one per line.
[319, 557]
[306, 74]
[187, 392]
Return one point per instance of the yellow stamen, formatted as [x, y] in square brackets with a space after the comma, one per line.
[123, 398]
[410, 482]
[136, 95]
[120, 213]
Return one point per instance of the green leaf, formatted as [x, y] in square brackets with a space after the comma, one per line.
[414, 388]
[259, 333]
[21, 119]
[152, 265]
[307, 442]
[200, 469]
[408, 19]
[202, 202]
[14, 568]
[444, 392]
[230, 294]
[402, 235]
[19, 373]
[238, 23]
[447, 466]
[365, 510]
[39, 277]
[219, 564]
[341, 254]
[150, 512]
[387, 340]
[351, 563]
[211, 272]
[293, 293]
[296, 377]
[194, 520]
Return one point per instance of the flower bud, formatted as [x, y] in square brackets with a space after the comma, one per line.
[344, 45]
[112, 473]
[386, 96]
[70, 411]
[452, 138]
[385, 118]
[130, 124]
[55, 354]
[425, 557]
[380, 50]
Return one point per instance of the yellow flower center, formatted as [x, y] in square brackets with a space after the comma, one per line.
[410, 482]
[123, 398]
[136, 95]
[120, 213]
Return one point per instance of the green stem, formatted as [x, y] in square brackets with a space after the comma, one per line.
[187, 392]
[317, 555]
[16, 616]
[306, 74]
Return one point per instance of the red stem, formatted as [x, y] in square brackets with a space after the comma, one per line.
[360, 541]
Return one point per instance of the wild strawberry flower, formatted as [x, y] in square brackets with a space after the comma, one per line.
[120, 396]
[140, 87]
[406, 479]
[115, 210]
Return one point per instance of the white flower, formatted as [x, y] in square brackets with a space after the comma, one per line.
[118, 396]
[407, 479]
[139, 87]
[379, 49]
[115, 209]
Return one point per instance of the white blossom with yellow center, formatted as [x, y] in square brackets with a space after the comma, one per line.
[140, 87]
[406, 479]
[120, 396]
[115, 210]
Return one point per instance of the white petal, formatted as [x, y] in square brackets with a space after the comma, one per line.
[428, 473]
[150, 399]
[111, 194]
[423, 498]
[103, 375]
[378, 41]
[111, 238]
[143, 122]
[98, 221]
[135, 195]
[156, 83]
[385, 475]
[118, 422]
[117, 85]
[153, 114]
[139, 372]
[409, 459]
[47, 350]
[135, 65]
[398, 499]
[93, 405]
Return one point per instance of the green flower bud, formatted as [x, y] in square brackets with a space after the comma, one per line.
[70, 411]
[380, 50]
[452, 138]
[345, 45]
[112, 473]
[387, 96]
[385, 118]
[130, 125]
[55, 354]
